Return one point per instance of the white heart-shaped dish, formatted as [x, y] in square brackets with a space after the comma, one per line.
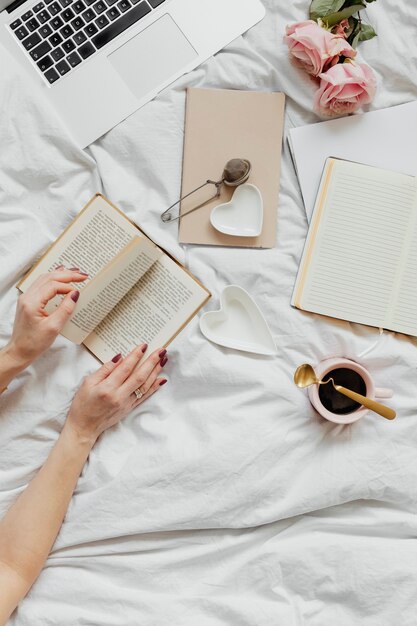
[238, 324]
[242, 216]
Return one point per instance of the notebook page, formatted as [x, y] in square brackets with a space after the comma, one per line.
[353, 255]
[404, 310]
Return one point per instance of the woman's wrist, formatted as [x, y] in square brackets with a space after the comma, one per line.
[11, 364]
[14, 358]
[77, 436]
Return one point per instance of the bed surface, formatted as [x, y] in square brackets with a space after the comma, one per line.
[225, 499]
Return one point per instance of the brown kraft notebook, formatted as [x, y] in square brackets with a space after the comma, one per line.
[136, 292]
[222, 124]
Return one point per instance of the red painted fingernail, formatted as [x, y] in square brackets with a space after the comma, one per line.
[74, 269]
[83, 273]
[59, 267]
[163, 382]
[162, 353]
[144, 348]
[75, 295]
[117, 358]
[164, 361]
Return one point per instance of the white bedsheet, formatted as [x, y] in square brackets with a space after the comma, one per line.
[225, 500]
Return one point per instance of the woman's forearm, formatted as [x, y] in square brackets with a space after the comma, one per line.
[11, 364]
[30, 527]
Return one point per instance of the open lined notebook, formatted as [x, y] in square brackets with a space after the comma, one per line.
[360, 258]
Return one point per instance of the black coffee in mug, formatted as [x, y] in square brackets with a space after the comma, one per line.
[336, 402]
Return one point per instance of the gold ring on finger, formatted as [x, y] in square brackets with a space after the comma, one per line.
[138, 394]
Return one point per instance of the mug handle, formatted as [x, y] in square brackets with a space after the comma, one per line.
[383, 392]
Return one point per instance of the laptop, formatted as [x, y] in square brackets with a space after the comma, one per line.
[98, 61]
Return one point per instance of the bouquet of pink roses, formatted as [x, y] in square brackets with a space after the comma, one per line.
[325, 47]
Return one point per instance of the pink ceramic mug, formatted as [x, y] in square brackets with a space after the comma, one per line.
[326, 366]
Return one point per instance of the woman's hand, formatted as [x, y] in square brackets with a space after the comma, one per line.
[34, 330]
[30, 527]
[108, 395]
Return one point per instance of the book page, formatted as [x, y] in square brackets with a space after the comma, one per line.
[353, 257]
[153, 311]
[90, 242]
[109, 286]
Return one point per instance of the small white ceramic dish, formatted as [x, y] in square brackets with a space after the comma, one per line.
[238, 324]
[242, 216]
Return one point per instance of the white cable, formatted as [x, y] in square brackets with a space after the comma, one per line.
[374, 345]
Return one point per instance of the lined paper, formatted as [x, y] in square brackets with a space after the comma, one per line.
[354, 265]
[404, 315]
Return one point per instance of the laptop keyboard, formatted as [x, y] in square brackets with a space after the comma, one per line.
[60, 34]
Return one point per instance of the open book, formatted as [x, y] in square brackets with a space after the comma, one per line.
[135, 291]
[360, 258]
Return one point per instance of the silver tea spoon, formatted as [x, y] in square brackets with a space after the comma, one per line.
[235, 173]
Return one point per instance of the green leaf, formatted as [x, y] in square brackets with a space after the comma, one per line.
[353, 31]
[320, 8]
[335, 18]
[353, 22]
[349, 3]
[366, 32]
[355, 40]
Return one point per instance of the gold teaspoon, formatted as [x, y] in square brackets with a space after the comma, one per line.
[305, 376]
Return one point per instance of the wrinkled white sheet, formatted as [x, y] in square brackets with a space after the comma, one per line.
[225, 500]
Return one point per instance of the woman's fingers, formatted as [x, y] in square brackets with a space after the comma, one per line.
[67, 276]
[127, 366]
[62, 275]
[105, 370]
[46, 286]
[54, 283]
[145, 386]
[140, 374]
[159, 382]
[52, 289]
[60, 316]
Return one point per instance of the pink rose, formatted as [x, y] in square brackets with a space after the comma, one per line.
[315, 49]
[344, 88]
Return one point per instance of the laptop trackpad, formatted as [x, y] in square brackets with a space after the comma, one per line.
[153, 56]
